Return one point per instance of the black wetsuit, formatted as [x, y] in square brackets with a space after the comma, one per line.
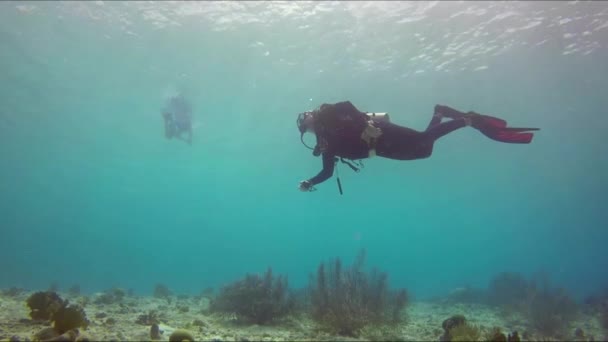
[339, 126]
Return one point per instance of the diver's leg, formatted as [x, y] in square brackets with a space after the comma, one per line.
[402, 143]
[441, 112]
[438, 131]
[448, 112]
[435, 120]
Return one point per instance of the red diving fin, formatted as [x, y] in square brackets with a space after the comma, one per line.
[493, 121]
[513, 135]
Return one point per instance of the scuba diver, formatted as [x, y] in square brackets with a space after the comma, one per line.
[344, 132]
[177, 115]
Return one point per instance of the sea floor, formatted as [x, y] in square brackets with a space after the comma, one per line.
[123, 321]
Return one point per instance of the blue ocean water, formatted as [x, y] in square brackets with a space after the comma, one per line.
[92, 193]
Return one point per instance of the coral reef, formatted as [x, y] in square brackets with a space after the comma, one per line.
[48, 306]
[207, 292]
[496, 335]
[464, 332]
[162, 291]
[597, 305]
[343, 301]
[111, 322]
[54, 287]
[604, 317]
[12, 292]
[44, 305]
[450, 323]
[509, 291]
[68, 318]
[150, 318]
[111, 296]
[256, 299]
[340, 303]
[464, 295]
[457, 328]
[513, 337]
[45, 334]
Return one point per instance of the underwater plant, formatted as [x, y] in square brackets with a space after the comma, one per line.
[550, 311]
[343, 301]
[256, 299]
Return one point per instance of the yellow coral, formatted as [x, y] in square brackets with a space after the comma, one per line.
[181, 335]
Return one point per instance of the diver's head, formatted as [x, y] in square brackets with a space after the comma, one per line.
[306, 122]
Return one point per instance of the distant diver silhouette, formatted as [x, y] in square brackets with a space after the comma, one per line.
[177, 116]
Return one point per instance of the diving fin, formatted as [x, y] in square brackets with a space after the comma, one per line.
[520, 129]
[492, 121]
[510, 135]
[496, 129]
[490, 126]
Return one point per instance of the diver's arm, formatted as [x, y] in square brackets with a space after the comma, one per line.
[326, 172]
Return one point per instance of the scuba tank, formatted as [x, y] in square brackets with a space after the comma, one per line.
[379, 117]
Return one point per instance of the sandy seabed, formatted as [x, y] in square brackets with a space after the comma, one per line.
[121, 321]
